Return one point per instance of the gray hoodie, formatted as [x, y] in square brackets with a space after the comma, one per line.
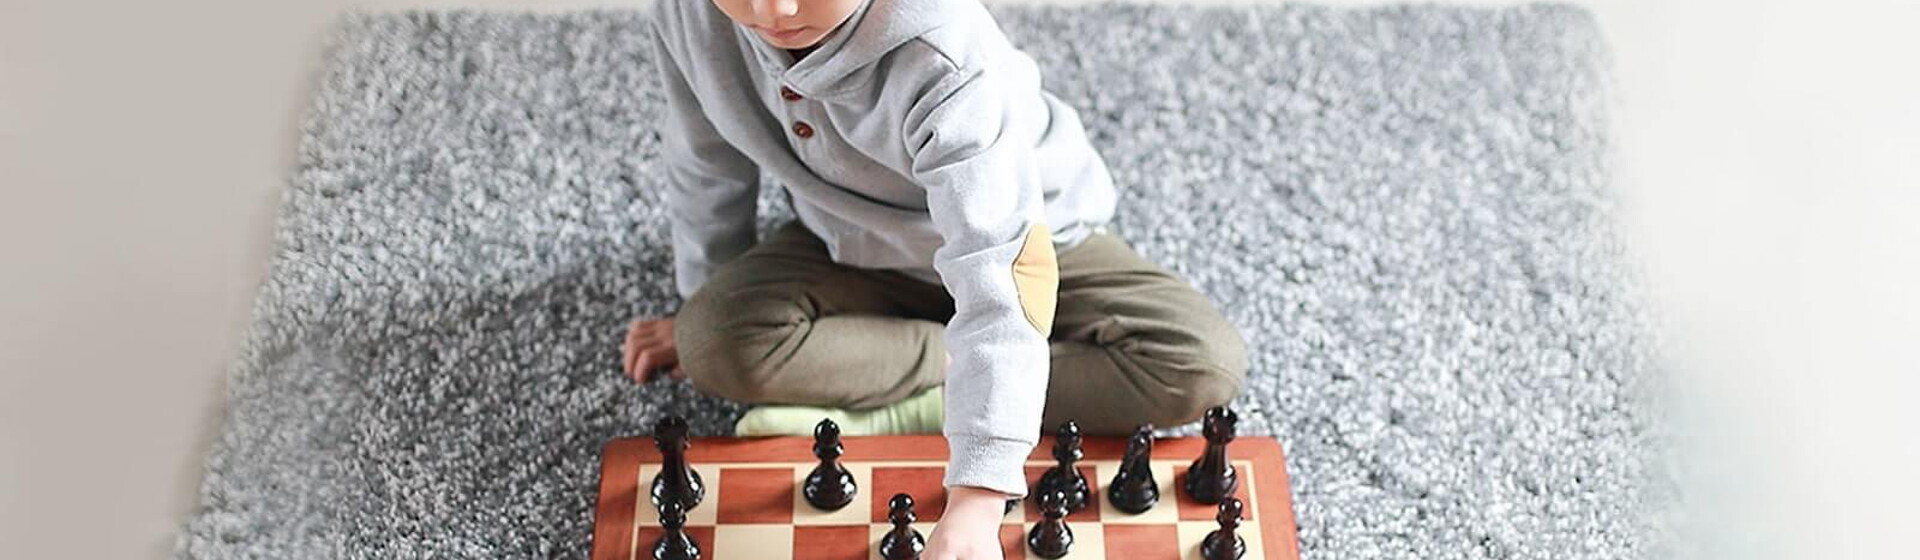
[915, 138]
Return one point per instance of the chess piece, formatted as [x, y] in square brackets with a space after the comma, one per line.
[1223, 543]
[1211, 477]
[903, 542]
[829, 487]
[1050, 537]
[1064, 476]
[676, 482]
[1133, 489]
[675, 543]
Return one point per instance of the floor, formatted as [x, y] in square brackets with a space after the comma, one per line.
[1770, 166]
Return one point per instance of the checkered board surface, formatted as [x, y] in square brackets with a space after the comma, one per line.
[753, 508]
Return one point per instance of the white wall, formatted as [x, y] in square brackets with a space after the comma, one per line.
[1769, 152]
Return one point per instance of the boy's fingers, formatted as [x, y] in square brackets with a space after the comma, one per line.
[656, 362]
[638, 364]
[647, 349]
[630, 348]
[636, 355]
[645, 364]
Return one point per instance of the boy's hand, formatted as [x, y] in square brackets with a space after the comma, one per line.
[649, 348]
[969, 529]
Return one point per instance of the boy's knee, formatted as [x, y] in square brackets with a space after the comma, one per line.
[723, 355]
[734, 368]
[1212, 375]
[1200, 387]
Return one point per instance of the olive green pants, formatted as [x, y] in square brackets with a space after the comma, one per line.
[784, 324]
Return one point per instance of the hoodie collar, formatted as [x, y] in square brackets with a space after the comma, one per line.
[874, 28]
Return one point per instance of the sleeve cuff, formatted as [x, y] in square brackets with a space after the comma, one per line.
[996, 464]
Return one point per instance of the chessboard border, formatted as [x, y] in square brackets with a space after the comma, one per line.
[621, 458]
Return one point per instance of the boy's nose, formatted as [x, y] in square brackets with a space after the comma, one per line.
[775, 10]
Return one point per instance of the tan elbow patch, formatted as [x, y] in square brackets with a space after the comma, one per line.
[1036, 275]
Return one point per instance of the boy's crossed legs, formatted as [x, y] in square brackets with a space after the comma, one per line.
[784, 325]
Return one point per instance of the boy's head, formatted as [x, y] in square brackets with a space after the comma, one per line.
[789, 24]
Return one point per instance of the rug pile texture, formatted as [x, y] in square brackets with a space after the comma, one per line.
[1407, 210]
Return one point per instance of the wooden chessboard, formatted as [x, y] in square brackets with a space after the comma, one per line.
[753, 509]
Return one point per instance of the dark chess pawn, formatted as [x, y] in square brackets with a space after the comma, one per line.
[1064, 476]
[829, 487]
[1050, 537]
[1133, 489]
[675, 543]
[1224, 543]
[903, 542]
[677, 482]
[1212, 477]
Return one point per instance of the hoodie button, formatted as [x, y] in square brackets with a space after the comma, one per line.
[802, 129]
[788, 94]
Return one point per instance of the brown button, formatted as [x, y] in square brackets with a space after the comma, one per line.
[788, 94]
[802, 129]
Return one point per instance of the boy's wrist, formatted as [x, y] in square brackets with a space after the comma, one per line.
[976, 502]
[972, 493]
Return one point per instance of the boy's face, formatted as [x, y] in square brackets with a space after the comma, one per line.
[789, 24]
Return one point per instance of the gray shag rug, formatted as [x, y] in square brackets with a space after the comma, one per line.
[1407, 210]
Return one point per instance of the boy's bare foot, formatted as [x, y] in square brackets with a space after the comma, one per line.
[649, 349]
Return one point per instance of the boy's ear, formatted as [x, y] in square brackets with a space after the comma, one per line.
[1036, 276]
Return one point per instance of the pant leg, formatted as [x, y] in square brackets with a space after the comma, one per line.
[784, 324]
[1134, 343]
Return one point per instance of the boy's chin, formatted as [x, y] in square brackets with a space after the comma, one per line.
[805, 41]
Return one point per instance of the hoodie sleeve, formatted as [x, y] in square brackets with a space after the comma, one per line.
[998, 262]
[711, 187]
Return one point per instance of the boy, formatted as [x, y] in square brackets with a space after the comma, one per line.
[949, 269]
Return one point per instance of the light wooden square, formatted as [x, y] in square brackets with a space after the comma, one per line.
[752, 542]
[1193, 532]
